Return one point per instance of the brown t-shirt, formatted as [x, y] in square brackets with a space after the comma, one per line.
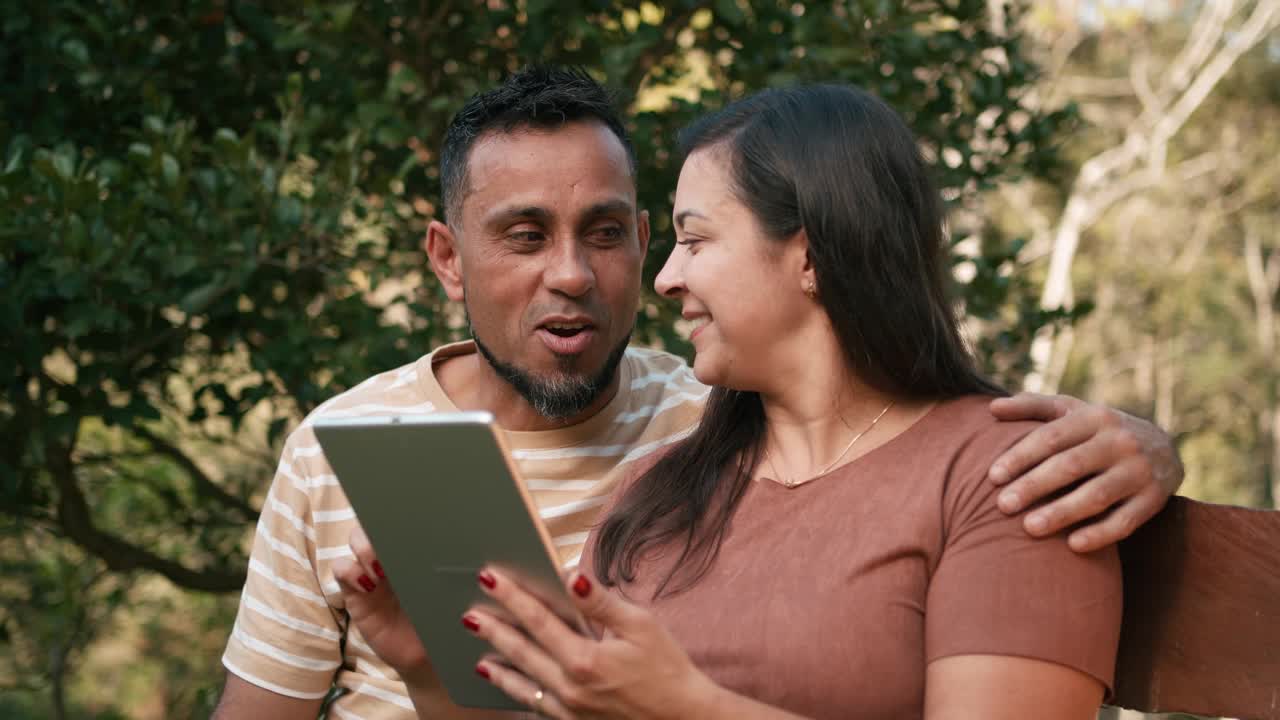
[830, 598]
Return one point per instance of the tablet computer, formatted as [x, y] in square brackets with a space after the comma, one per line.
[440, 497]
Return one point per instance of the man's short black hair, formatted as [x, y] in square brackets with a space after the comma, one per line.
[539, 96]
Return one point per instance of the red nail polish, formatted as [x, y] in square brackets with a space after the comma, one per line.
[482, 671]
[487, 579]
[367, 583]
[582, 586]
[377, 568]
[470, 623]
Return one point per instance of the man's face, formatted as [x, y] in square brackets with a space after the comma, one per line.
[551, 244]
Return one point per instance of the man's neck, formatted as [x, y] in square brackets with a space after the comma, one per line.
[472, 384]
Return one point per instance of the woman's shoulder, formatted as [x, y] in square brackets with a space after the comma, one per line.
[963, 438]
[967, 423]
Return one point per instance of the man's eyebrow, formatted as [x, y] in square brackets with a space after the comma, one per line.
[609, 207]
[684, 214]
[517, 212]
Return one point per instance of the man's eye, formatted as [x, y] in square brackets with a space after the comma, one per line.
[526, 237]
[611, 234]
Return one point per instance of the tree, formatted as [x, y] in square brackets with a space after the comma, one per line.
[209, 218]
[1172, 232]
[1137, 158]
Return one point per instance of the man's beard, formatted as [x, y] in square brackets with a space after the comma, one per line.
[558, 398]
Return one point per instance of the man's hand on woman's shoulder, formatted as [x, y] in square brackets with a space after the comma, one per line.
[1122, 467]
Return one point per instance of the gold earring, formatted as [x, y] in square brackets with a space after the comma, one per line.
[811, 290]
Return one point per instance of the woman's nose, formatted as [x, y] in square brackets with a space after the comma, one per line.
[670, 281]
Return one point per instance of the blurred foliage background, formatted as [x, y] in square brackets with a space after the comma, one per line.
[210, 217]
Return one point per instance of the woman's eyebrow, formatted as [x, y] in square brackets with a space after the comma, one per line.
[684, 214]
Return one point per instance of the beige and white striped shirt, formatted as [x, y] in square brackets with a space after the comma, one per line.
[291, 634]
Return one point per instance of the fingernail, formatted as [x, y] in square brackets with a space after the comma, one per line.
[470, 623]
[582, 586]
[487, 579]
[377, 568]
[482, 671]
[367, 583]
[1037, 523]
[1010, 502]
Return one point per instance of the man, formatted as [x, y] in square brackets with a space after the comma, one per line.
[544, 245]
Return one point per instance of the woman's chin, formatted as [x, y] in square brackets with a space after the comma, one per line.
[706, 371]
[711, 371]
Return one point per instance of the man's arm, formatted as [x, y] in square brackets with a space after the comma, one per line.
[242, 699]
[1128, 466]
[286, 643]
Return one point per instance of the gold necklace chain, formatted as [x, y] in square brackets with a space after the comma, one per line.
[768, 457]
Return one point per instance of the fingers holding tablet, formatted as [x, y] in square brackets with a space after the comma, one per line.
[520, 688]
[375, 610]
[363, 552]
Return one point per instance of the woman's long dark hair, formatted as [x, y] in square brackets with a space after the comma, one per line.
[840, 164]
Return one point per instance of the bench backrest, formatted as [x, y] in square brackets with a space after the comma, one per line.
[1201, 630]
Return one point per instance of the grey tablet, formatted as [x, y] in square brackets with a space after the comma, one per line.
[439, 497]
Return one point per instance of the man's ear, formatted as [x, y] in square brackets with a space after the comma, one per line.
[642, 232]
[446, 262]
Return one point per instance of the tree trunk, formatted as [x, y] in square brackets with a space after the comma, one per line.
[1137, 162]
[58, 681]
[1274, 468]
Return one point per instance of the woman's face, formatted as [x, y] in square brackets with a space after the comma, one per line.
[742, 292]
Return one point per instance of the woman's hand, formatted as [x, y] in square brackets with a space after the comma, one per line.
[636, 671]
[375, 610]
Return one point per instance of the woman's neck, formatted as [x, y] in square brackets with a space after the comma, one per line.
[811, 420]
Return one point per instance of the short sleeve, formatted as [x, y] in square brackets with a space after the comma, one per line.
[286, 636]
[998, 591]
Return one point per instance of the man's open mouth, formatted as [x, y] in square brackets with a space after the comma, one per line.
[565, 330]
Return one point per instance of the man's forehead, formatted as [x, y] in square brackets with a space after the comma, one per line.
[547, 210]
[577, 169]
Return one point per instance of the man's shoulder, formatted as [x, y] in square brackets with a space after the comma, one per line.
[663, 372]
[398, 391]
[664, 398]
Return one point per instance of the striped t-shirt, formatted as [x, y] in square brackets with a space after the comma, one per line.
[291, 634]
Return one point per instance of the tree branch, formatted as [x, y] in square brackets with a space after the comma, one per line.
[76, 522]
[205, 485]
[1263, 290]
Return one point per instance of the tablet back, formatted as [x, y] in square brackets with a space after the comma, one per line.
[439, 497]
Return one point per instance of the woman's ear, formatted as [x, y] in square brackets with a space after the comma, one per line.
[804, 268]
[442, 250]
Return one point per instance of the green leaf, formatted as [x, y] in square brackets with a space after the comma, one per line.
[169, 167]
[729, 11]
[64, 165]
[341, 14]
[225, 139]
[198, 300]
[76, 50]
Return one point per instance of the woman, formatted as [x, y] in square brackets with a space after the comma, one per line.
[823, 545]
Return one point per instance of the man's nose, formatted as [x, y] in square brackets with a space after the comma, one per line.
[569, 270]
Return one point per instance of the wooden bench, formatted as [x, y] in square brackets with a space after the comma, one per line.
[1201, 630]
